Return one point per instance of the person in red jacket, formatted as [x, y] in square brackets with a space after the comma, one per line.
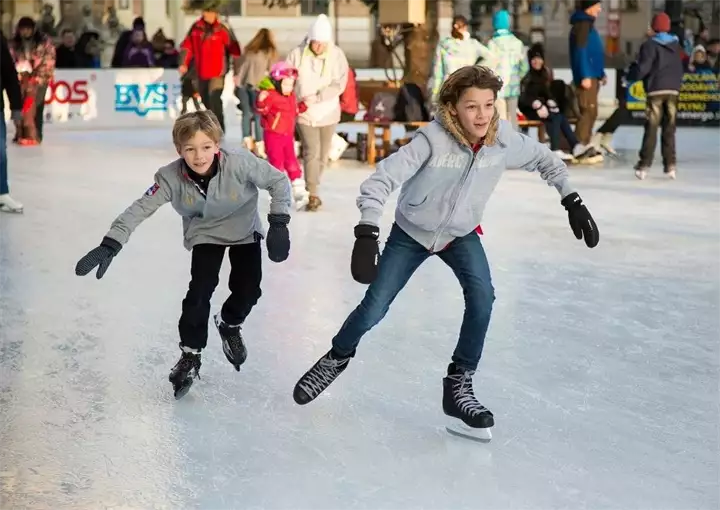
[208, 43]
[278, 109]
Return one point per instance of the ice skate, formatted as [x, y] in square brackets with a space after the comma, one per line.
[641, 171]
[587, 154]
[467, 417]
[7, 204]
[319, 377]
[232, 341]
[185, 371]
[300, 195]
[671, 172]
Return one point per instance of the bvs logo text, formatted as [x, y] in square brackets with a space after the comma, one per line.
[130, 98]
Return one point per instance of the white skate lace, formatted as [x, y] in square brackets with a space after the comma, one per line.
[321, 376]
[464, 396]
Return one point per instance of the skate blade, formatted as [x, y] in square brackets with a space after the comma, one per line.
[228, 355]
[460, 429]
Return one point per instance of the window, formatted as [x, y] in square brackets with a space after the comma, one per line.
[233, 8]
[314, 7]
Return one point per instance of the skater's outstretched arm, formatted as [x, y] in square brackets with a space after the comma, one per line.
[122, 227]
[531, 155]
[524, 152]
[156, 195]
[389, 175]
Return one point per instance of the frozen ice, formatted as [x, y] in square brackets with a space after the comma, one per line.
[601, 366]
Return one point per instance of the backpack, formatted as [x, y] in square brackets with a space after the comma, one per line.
[382, 107]
[410, 104]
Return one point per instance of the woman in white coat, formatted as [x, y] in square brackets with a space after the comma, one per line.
[322, 76]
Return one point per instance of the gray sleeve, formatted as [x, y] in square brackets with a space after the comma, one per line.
[140, 210]
[389, 175]
[528, 154]
[265, 176]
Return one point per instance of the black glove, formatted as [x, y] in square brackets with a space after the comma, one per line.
[365, 254]
[100, 256]
[581, 223]
[278, 237]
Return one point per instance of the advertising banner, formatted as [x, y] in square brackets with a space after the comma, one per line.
[120, 98]
[698, 105]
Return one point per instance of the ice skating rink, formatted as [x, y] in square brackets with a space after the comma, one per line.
[601, 366]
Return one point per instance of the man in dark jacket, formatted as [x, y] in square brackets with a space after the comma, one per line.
[8, 83]
[659, 66]
[587, 61]
[208, 45]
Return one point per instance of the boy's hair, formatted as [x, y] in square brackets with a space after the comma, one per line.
[481, 77]
[190, 123]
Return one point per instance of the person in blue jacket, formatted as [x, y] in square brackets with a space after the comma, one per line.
[587, 61]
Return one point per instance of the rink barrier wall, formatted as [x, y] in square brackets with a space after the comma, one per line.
[123, 98]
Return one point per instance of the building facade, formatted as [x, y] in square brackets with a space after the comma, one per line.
[354, 27]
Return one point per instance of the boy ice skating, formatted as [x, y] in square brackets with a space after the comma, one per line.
[216, 193]
[278, 108]
[447, 172]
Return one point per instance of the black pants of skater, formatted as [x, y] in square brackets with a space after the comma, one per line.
[244, 284]
[211, 93]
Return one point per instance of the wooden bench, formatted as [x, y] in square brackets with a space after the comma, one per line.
[542, 135]
[373, 127]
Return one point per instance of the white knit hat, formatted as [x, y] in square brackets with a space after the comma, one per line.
[320, 30]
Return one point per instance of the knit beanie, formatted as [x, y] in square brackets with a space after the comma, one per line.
[582, 5]
[501, 20]
[660, 23]
[321, 30]
[536, 50]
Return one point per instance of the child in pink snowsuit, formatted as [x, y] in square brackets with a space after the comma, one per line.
[278, 109]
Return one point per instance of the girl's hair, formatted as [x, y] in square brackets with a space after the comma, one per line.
[263, 42]
[187, 125]
[480, 77]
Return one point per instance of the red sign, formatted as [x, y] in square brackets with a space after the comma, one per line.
[63, 92]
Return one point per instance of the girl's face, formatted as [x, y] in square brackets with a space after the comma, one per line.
[287, 85]
[537, 63]
[699, 57]
[137, 37]
[199, 152]
[474, 111]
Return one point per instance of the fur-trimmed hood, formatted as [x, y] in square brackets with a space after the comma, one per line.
[452, 126]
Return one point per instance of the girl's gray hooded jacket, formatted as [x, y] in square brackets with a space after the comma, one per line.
[445, 186]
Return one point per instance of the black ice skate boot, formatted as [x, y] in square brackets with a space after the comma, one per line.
[319, 377]
[232, 340]
[459, 403]
[185, 371]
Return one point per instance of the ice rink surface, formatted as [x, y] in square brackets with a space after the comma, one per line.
[601, 366]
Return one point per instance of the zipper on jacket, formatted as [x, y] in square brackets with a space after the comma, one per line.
[454, 199]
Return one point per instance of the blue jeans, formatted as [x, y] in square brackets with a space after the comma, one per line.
[3, 156]
[246, 95]
[400, 258]
[555, 124]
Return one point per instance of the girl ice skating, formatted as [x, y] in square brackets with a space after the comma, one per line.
[447, 172]
[216, 193]
[279, 108]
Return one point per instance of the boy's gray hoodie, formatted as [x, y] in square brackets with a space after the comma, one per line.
[229, 214]
[445, 186]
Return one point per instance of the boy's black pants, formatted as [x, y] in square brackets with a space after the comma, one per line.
[211, 92]
[244, 284]
[660, 112]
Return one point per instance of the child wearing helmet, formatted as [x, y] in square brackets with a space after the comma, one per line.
[278, 109]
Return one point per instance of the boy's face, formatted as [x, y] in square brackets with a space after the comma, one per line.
[199, 152]
[474, 111]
